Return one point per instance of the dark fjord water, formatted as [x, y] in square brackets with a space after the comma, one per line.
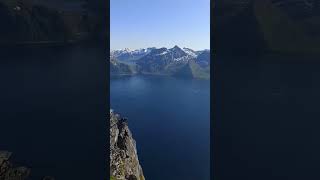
[267, 117]
[170, 120]
[52, 110]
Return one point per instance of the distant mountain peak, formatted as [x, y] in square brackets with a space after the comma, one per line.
[176, 48]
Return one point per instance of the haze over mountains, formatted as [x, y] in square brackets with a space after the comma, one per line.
[176, 61]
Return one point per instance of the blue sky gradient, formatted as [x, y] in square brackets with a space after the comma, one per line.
[138, 24]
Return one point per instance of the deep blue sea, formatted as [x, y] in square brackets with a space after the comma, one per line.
[170, 121]
[52, 110]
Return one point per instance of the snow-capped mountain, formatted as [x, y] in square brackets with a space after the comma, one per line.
[176, 53]
[130, 55]
[175, 60]
[165, 55]
[163, 59]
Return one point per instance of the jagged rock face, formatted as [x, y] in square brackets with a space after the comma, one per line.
[124, 162]
[8, 171]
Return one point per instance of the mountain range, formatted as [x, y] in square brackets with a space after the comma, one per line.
[176, 61]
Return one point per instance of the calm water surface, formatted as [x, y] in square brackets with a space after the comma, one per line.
[170, 120]
[52, 110]
[267, 117]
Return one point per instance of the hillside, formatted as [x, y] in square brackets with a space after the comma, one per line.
[118, 68]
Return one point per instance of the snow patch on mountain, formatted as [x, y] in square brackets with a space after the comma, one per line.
[190, 52]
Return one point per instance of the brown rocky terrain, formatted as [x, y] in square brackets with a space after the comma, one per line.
[124, 162]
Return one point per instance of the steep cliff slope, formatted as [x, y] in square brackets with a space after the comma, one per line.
[124, 162]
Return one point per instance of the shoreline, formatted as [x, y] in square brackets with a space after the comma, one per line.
[155, 75]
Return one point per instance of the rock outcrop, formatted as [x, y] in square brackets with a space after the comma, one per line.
[124, 162]
[8, 171]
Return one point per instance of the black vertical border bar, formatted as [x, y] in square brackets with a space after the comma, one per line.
[107, 49]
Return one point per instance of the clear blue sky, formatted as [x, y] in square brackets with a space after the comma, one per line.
[160, 23]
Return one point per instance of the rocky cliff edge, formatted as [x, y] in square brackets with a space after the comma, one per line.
[124, 162]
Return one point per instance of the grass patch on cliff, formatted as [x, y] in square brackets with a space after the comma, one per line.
[142, 177]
